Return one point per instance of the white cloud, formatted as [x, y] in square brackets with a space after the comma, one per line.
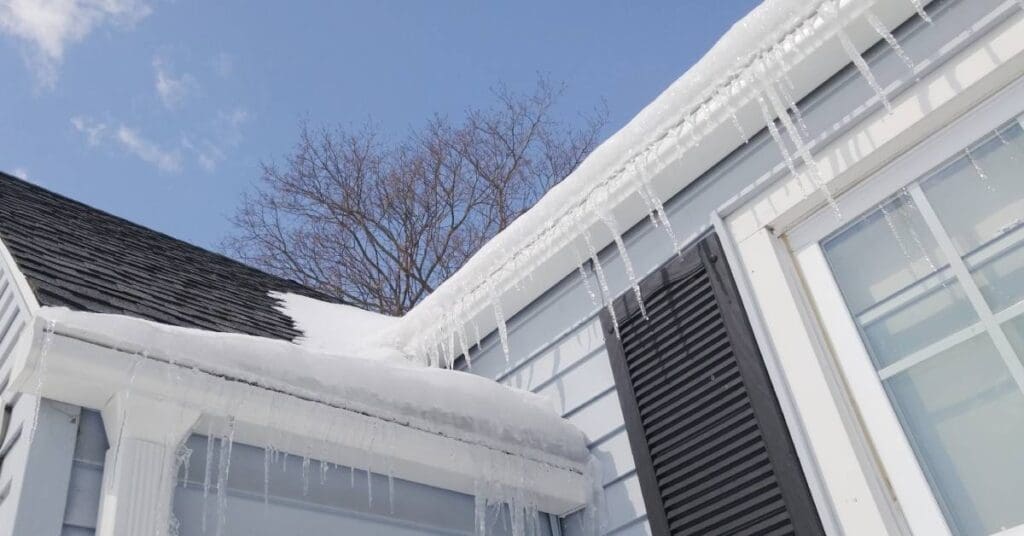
[172, 89]
[93, 130]
[134, 143]
[223, 135]
[208, 155]
[20, 172]
[48, 27]
[131, 141]
[209, 149]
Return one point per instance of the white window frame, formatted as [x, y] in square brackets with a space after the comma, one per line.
[904, 473]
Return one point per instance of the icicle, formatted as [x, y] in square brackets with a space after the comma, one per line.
[499, 318]
[880, 29]
[909, 201]
[464, 345]
[223, 473]
[183, 460]
[659, 210]
[476, 333]
[779, 142]
[583, 275]
[862, 66]
[982, 175]
[391, 491]
[613, 227]
[369, 466]
[267, 455]
[790, 103]
[480, 514]
[887, 216]
[1017, 152]
[801, 149]
[305, 476]
[736, 123]
[606, 292]
[649, 203]
[48, 331]
[919, 7]
[207, 472]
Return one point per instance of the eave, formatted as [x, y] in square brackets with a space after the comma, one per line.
[66, 364]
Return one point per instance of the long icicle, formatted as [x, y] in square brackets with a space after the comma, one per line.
[801, 149]
[499, 318]
[880, 29]
[779, 142]
[583, 275]
[659, 210]
[613, 228]
[602, 281]
[856, 58]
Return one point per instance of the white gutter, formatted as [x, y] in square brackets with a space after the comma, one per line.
[535, 252]
[63, 362]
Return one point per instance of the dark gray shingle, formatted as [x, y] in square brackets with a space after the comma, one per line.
[85, 259]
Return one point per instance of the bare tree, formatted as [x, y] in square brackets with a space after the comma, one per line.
[381, 225]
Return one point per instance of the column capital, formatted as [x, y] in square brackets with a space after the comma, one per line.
[138, 478]
[130, 415]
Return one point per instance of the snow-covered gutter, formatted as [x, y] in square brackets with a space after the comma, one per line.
[688, 129]
[437, 427]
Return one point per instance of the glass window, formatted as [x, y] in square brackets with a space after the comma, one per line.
[934, 279]
[980, 200]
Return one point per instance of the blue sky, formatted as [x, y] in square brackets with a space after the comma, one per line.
[160, 111]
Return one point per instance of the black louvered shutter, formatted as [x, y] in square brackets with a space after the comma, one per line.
[712, 450]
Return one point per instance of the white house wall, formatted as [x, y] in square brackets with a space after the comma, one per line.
[557, 347]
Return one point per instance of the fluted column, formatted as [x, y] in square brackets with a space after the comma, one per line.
[138, 477]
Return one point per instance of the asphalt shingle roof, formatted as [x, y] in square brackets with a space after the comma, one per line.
[85, 259]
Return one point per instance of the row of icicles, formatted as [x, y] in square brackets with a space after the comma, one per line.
[772, 89]
[501, 505]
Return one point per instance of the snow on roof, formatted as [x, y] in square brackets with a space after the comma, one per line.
[727, 78]
[332, 327]
[447, 402]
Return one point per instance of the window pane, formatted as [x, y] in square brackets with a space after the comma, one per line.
[980, 200]
[1014, 330]
[965, 418]
[896, 282]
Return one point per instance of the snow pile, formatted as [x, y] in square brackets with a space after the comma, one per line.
[332, 327]
[450, 403]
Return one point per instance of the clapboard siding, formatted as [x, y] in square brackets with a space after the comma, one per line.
[556, 343]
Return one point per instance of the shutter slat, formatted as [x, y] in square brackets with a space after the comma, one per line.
[712, 451]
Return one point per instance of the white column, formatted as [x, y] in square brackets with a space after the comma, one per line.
[138, 477]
